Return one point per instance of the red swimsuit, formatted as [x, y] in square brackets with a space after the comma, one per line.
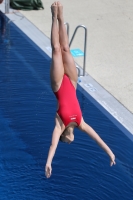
[69, 109]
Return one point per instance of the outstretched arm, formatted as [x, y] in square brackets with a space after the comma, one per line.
[55, 139]
[87, 129]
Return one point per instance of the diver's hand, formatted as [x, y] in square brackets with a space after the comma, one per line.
[112, 159]
[48, 170]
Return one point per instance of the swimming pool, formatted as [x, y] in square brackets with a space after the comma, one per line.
[27, 108]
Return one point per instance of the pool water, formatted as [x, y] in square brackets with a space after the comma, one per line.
[81, 170]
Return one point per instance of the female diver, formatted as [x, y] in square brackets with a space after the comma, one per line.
[64, 82]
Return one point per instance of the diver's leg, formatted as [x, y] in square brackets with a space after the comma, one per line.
[57, 69]
[68, 61]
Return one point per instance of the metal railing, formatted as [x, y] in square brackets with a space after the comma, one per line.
[78, 71]
[85, 42]
[67, 27]
[7, 6]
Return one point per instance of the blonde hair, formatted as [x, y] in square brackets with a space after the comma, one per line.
[67, 135]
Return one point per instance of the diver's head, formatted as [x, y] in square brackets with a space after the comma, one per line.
[67, 136]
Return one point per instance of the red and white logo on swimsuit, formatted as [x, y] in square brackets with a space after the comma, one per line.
[73, 117]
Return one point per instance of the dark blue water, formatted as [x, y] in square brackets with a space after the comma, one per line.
[81, 170]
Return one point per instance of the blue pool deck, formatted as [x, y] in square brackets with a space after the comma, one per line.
[27, 109]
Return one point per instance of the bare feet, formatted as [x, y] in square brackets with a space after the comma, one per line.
[60, 11]
[54, 9]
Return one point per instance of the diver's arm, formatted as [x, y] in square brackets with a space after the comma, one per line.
[87, 129]
[55, 139]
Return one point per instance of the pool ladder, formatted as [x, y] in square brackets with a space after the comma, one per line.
[85, 44]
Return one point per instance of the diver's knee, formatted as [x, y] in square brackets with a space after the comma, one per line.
[56, 49]
[65, 48]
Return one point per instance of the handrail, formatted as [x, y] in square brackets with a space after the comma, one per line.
[85, 42]
[7, 6]
[78, 70]
[67, 25]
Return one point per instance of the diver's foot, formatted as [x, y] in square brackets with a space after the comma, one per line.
[54, 9]
[60, 11]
